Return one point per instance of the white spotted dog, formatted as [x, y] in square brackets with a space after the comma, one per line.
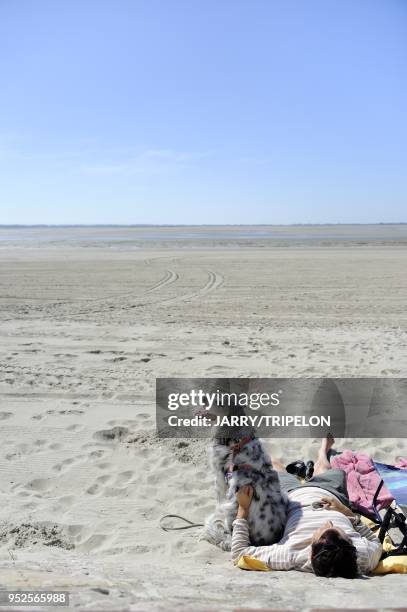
[238, 462]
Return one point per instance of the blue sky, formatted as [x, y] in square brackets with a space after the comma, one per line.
[203, 111]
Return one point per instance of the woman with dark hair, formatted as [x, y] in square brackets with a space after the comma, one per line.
[322, 534]
[333, 554]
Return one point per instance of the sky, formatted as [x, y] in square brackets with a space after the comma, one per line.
[203, 111]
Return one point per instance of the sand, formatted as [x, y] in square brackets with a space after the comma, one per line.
[86, 329]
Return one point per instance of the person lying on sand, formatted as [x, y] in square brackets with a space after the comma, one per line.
[322, 535]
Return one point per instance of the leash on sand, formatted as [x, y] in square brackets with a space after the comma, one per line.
[177, 516]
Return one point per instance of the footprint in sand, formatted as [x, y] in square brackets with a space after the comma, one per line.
[113, 422]
[98, 485]
[96, 454]
[66, 500]
[74, 427]
[94, 542]
[11, 456]
[66, 412]
[123, 478]
[94, 489]
[40, 485]
[55, 446]
[22, 450]
[40, 442]
[116, 434]
[104, 465]
[66, 464]
[115, 492]
[123, 423]
[144, 416]
[110, 485]
[100, 488]
[104, 479]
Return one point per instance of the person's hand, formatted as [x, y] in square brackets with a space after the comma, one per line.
[244, 498]
[333, 503]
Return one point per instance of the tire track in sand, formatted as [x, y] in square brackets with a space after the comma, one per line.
[169, 277]
[214, 282]
[55, 310]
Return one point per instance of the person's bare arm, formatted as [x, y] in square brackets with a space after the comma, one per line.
[333, 503]
[244, 498]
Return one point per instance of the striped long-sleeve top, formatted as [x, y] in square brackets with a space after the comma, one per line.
[294, 549]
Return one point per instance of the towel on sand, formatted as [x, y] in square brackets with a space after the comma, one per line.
[362, 480]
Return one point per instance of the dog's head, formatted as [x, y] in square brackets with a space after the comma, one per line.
[248, 451]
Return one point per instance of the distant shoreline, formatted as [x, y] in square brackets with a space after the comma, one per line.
[207, 235]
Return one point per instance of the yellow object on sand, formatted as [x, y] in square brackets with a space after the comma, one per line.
[390, 565]
[250, 563]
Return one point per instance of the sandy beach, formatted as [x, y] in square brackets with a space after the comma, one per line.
[86, 327]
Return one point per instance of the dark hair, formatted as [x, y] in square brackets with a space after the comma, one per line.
[333, 556]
